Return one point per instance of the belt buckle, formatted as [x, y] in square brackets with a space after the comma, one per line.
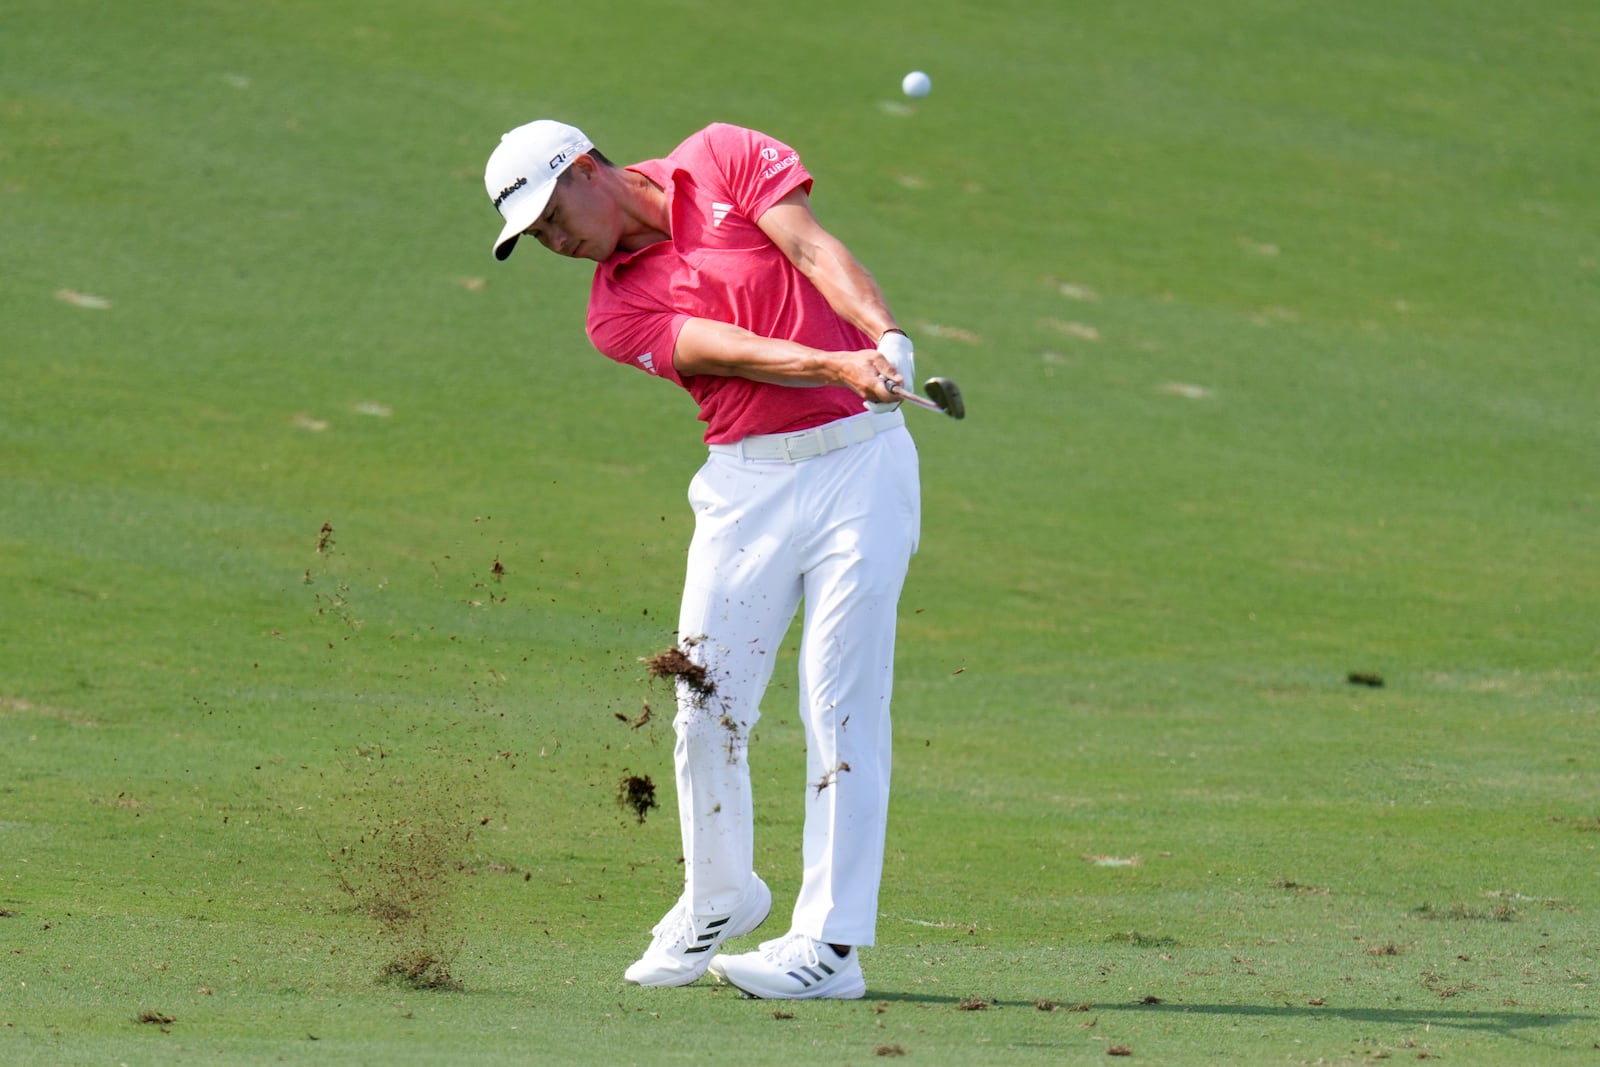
[787, 443]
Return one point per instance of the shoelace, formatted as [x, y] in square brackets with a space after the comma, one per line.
[677, 927]
[792, 949]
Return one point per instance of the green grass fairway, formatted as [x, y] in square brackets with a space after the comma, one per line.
[330, 553]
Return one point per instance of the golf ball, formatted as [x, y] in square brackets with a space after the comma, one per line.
[916, 84]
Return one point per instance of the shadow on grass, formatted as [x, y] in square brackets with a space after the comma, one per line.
[1502, 1023]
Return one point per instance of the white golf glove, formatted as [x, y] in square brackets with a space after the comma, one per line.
[896, 348]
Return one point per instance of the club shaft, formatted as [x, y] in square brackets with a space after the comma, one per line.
[921, 401]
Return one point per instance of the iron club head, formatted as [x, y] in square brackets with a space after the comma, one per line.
[947, 394]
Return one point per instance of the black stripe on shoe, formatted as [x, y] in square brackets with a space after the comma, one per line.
[811, 977]
[712, 935]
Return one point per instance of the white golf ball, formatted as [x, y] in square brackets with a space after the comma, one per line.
[916, 84]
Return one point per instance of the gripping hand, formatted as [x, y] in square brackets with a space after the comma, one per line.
[897, 349]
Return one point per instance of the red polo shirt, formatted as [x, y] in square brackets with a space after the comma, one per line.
[720, 265]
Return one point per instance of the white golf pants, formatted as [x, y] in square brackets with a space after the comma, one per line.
[837, 533]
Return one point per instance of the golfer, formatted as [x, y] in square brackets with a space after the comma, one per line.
[714, 274]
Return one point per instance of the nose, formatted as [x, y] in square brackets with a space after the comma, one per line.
[558, 241]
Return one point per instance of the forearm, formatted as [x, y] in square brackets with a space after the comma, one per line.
[706, 346]
[854, 295]
[849, 287]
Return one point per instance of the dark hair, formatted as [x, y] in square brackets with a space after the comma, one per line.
[594, 153]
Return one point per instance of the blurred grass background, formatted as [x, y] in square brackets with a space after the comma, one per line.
[1275, 328]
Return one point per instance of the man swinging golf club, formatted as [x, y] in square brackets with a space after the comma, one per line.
[714, 274]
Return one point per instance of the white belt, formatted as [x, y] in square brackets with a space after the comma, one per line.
[817, 441]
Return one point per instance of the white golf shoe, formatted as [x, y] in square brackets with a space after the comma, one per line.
[683, 943]
[794, 967]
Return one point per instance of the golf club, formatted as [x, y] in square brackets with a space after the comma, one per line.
[943, 395]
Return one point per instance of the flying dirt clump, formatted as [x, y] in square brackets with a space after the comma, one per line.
[675, 663]
[637, 794]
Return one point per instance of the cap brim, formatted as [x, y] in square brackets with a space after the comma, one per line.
[524, 213]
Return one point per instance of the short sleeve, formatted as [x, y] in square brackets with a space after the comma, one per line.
[758, 170]
[635, 329]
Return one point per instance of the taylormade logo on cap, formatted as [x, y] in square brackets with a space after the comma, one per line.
[508, 190]
[522, 171]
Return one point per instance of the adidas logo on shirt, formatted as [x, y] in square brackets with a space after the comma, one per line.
[719, 211]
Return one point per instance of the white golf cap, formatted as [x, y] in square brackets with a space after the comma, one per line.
[522, 173]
